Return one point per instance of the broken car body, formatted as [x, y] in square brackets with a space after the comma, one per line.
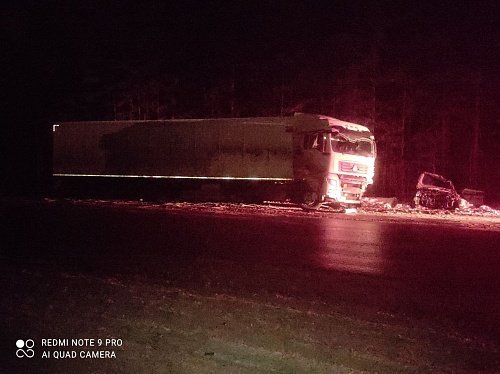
[436, 192]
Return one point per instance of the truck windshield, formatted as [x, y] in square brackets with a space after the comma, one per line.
[361, 147]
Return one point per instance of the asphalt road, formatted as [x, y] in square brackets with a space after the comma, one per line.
[443, 274]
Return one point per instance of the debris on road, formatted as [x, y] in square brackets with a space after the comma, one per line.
[473, 197]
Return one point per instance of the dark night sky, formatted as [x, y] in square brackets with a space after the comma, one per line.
[52, 49]
[201, 36]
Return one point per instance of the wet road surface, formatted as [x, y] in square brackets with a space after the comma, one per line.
[444, 274]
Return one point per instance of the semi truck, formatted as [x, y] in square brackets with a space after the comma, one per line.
[314, 159]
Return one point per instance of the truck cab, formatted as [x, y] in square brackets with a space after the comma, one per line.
[336, 163]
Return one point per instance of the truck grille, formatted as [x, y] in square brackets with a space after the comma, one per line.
[351, 180]
[351, 167]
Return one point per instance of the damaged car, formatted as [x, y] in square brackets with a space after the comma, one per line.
[435, 192]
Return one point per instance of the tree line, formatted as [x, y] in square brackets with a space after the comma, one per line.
[432, 106]
[434, 121]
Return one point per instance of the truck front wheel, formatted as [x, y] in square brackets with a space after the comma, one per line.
[311, 200]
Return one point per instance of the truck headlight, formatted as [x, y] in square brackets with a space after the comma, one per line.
[334, 188]
[333, 182]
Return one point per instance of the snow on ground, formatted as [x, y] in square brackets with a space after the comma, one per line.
[483, 217]
[466, 209]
